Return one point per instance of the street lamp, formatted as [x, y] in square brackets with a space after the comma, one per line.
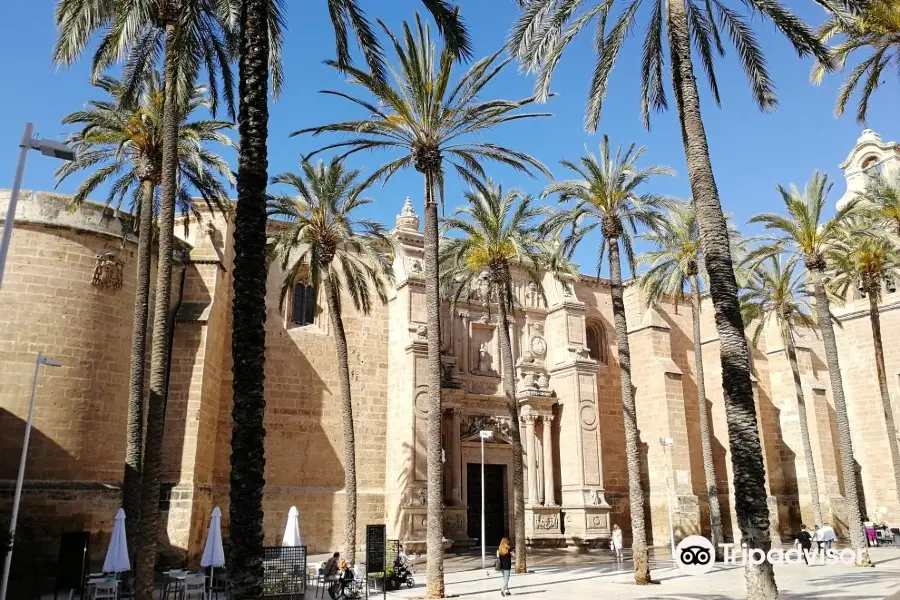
[47, 148]
[665, 443]
[41, 360]
[484, 435]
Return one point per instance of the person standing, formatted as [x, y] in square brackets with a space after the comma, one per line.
[828, 536]
[616, 542]
[504, 558]
[804, 539]
[817, 538]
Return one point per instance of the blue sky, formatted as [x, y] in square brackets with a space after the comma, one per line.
[751, 151]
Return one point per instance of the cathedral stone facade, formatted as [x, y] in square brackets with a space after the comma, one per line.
[69, 291]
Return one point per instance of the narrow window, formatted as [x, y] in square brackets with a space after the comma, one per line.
[304, 304]
[596, 342]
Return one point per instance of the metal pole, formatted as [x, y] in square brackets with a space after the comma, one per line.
[18, 495]
[483, 549]
[25, 145]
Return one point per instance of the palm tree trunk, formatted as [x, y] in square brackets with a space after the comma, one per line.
[340, 344]
[788, 337]
[435, 519]
[159, 357]
[709, 467]
[740, 409]
[629, 414]
[848, 467]
[248, 335]
[134, 450]
[875, 318]
[504, 295]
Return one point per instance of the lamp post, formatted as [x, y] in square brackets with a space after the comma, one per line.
[665, 443]
[47, 148]
[484, 435]
[41, 360]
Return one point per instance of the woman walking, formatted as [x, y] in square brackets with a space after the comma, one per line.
[504, 560]
[616, 542]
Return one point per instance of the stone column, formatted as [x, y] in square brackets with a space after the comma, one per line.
[532, 459]
[455, 458]
[549, 480]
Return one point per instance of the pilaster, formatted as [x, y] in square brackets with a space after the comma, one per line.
[659, 396]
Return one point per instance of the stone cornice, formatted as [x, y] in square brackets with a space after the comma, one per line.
[570, 305]
[864, 312]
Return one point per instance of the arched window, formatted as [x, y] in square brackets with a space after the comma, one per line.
[303, 304]
[596, 342]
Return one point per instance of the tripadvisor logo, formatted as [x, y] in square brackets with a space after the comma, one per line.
[694, 555]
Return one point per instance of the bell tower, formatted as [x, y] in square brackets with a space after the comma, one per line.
[870, 155]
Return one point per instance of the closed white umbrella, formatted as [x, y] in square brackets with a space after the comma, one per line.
[117, 553]
[213, 553]
[292, 531]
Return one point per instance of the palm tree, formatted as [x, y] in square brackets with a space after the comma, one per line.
[328, 247]
[871, 262]
[260, 23]
[606, 195]
[674, 263]
[497, 231]
[431, 123]
[883, 195]
[539, 37]
[805, 236]
[123, 138]
[875, 28]
[775, 291]
[194, 36]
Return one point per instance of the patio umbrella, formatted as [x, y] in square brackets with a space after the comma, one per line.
[117, 554]
[292, 531]
[213, 553]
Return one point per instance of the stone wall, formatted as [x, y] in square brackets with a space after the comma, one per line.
[48, 304]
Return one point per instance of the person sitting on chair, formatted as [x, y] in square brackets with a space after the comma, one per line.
[332, 567]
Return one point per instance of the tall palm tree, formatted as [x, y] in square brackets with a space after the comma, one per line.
[871, 263]
[606, 195]
[875, 29]
[776, 292]
[431, 123]
[496, 232]
[193, 36]
[807, 237]
[260, 23]
[119, 142]
[674, 263]
[327, 246]
[539, 37]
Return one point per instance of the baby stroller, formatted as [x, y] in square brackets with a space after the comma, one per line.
[403, 572]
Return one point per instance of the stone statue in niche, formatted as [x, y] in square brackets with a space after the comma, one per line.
[484, 359]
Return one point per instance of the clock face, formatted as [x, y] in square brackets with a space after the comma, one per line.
[538, 346]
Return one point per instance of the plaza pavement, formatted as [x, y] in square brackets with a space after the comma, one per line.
[597, 575]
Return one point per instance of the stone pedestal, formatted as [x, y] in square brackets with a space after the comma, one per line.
[543, 526]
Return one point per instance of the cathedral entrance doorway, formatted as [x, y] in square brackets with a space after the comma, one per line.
[496, 516]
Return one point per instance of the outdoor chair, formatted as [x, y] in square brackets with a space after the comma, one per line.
[194, 587]
[107, 590]
[218, 584]
[171, 587]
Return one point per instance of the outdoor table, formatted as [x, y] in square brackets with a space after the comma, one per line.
[175, 583]
[93, 580]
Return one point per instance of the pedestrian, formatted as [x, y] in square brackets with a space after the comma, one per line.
[504, 561]
[616, 542]
[804, 539]
[817, 537]
[828, 536]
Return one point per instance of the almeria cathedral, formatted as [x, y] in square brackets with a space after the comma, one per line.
[69, 292]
